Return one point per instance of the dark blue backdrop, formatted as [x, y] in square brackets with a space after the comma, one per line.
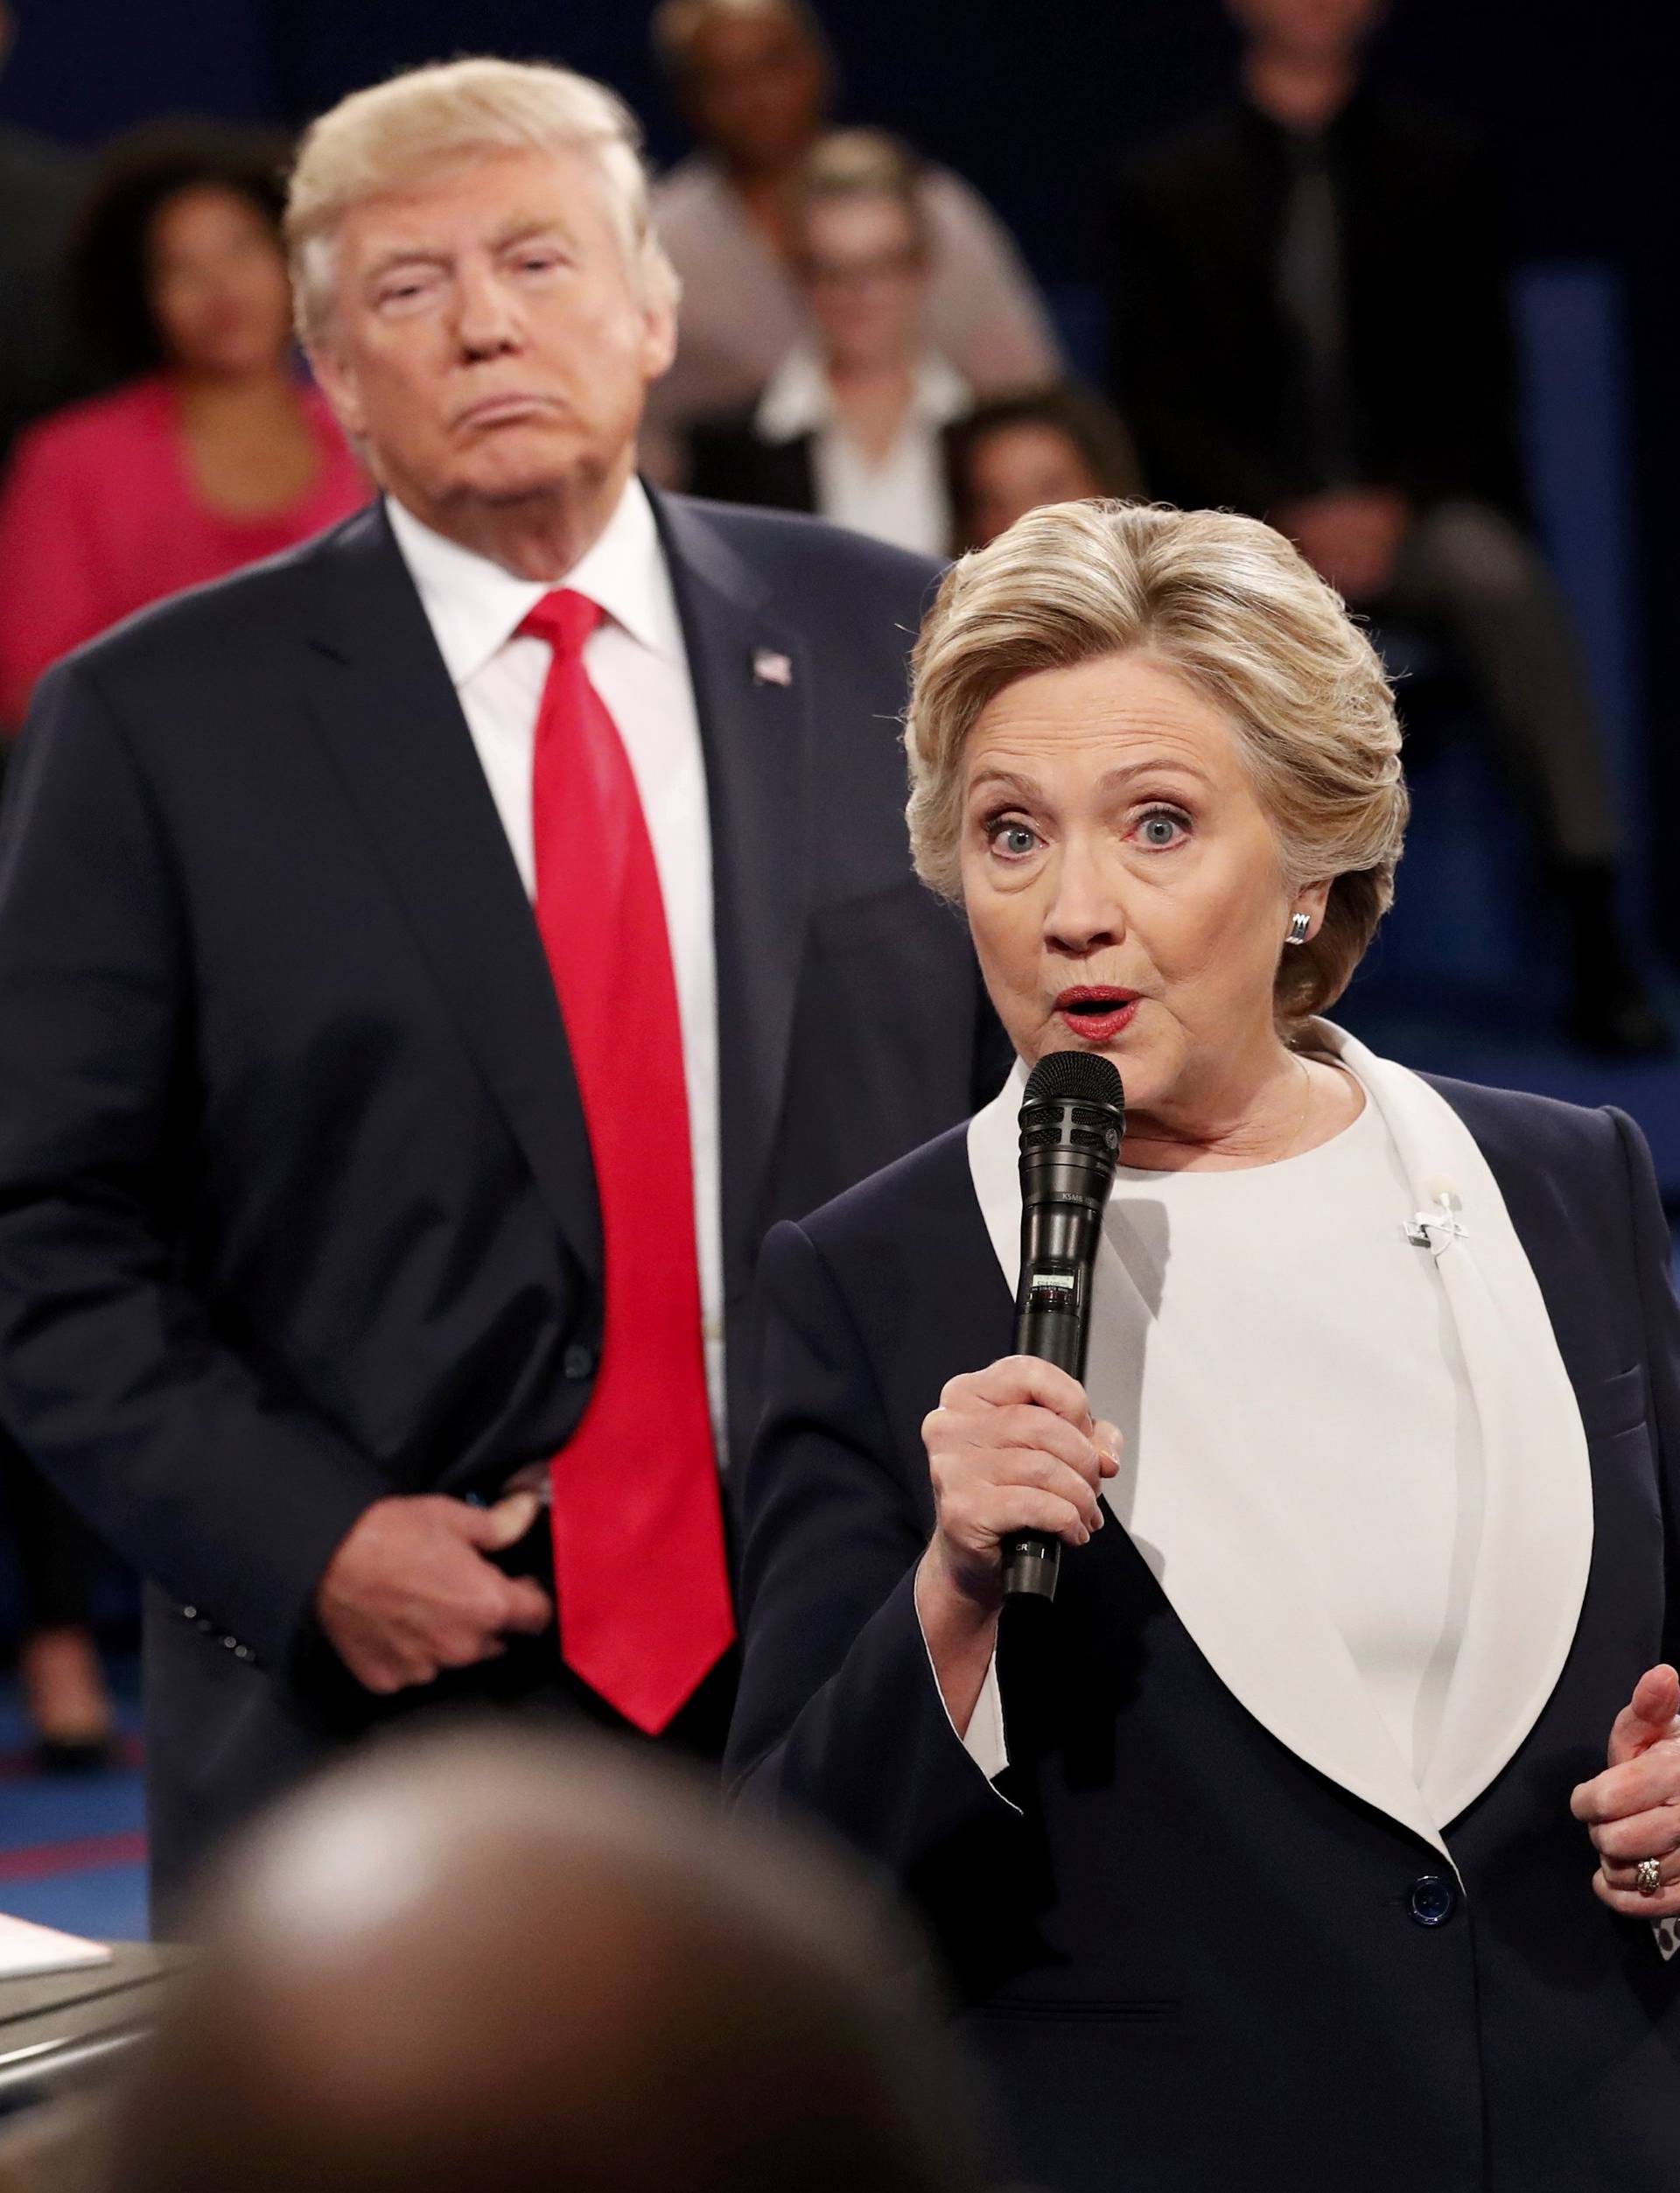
[1034, 102]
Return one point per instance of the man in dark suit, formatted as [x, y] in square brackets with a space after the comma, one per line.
[329, 1244]
[1309, 296]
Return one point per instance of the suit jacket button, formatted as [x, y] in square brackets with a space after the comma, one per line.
[578, 1362]
[1434, 1900]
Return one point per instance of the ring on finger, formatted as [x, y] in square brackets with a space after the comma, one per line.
[1648, 1876]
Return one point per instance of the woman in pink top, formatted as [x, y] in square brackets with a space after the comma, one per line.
[215, 454]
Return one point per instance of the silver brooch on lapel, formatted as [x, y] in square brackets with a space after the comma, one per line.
[1440, 1225]
[770, 668]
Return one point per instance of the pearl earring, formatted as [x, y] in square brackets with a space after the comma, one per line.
[1299, 926]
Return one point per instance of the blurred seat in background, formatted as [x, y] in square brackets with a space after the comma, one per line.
[754, 79]
[1310, 324]
[215, 454]
[851, 425]
[478, 1964]
[1019, 452]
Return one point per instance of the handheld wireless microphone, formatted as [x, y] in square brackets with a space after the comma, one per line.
[1072, 1120]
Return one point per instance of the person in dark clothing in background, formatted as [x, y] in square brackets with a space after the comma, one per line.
[1309, 301]
[41, 364]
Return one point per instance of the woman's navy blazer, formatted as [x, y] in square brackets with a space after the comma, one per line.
[1191, 1962]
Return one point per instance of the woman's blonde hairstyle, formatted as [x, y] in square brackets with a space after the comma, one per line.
[1231, 607]
[852, 163]
[380, 139]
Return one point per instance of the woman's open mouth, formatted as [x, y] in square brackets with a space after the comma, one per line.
[1096, 1015]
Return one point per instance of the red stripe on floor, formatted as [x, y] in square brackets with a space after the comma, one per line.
[38, 1862]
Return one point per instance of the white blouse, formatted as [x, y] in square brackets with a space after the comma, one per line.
[1294, 1291]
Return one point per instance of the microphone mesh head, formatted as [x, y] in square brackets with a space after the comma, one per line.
[1085, 1076]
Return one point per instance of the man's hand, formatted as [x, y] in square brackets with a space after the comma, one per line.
[1351, 536]
[1634, 1806]
[408, 1592]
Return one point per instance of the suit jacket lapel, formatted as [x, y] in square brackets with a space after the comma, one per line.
[752, 695]
[393, 728]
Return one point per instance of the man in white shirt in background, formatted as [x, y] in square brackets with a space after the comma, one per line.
[443, 952]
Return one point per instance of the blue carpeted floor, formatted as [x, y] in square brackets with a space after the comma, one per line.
[72, 1848]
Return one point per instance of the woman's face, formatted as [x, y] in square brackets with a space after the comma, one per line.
[1015, 469]
[865, 280]
[1122, 882]
[217, 282]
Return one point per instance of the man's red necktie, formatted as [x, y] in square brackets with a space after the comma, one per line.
[640, 1566]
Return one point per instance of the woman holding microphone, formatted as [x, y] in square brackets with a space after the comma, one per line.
[1285, 1845]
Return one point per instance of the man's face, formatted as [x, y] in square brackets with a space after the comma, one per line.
[755, 88]
[1309, 30]
[488, 340]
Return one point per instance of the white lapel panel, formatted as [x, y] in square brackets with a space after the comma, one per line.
[1201, 1518]
[1536, 1530]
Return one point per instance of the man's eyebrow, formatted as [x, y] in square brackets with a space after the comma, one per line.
[520, 230]
[407, 255]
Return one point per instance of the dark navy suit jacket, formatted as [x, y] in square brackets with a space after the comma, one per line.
[1190, 1961]
[295, 1200]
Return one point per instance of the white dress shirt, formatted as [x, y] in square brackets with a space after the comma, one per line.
[638, 663]
[901, 497]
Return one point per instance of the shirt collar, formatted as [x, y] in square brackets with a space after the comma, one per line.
[475, 607]
[798, 400]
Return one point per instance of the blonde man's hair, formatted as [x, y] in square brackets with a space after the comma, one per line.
[1231, 607]
[385, 137]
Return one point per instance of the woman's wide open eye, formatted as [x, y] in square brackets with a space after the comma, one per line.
[1010, 839]
[1162, 828]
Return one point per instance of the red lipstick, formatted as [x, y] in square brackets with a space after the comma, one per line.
[1096, 1013]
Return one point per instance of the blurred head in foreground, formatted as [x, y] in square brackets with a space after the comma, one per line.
[479, 1963]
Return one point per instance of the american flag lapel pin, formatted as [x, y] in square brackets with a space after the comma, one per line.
[770, 668]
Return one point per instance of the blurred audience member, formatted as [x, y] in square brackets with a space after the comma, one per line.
[41, 365]
[478, 1965]
[851, 425]
[215, 453]
[1309, 294]
[754, 78]
[65, 1698]
[1017, 453]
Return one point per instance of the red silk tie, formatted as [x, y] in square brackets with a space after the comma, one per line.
[640, 1566]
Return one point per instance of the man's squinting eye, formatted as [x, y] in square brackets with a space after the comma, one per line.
[1161, 828]
[402, 289]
